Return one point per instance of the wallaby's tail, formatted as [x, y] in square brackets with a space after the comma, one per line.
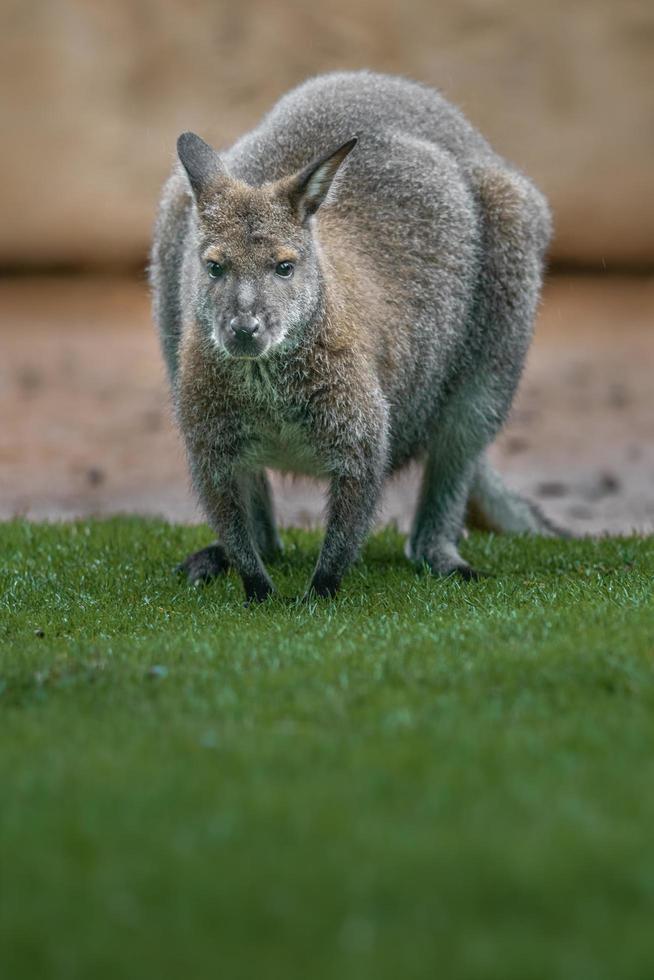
[493, 507]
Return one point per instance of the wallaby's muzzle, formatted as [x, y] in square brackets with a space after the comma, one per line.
[244, 325]
[245, 336]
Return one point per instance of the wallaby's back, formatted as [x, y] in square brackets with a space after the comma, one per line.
[387, 112]
[407, 132]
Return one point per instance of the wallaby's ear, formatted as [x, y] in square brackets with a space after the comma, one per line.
[309, 188]
[201, 162]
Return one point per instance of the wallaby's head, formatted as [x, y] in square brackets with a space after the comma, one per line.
[257, 257]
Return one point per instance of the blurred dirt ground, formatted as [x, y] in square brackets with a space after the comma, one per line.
[86, 426]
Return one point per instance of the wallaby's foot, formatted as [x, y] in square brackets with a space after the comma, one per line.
[257, 588]
[443, 561]
[322, 587]
[204, 565]
[461, 569]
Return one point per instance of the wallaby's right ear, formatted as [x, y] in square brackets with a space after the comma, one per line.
[307, 190]
[202, 164]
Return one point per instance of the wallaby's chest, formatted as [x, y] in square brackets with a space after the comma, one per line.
[276, 431]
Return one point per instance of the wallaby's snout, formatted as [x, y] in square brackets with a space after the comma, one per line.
[244, 325]
[245, 339]
[253, 305]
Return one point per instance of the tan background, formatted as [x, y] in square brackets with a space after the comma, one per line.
[96, 92]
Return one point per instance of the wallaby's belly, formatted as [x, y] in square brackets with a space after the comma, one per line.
[284, 447]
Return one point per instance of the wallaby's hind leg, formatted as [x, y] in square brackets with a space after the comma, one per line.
[514, 231]
[444, 494]
[210, 562]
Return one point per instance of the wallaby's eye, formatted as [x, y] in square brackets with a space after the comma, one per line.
[284, 269]
[215, 269]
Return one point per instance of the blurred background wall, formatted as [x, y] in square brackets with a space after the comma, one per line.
[95, 94]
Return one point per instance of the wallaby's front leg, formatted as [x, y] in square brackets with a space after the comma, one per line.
[226, 506]
[352, 505]
[208, 563]
[351, 425]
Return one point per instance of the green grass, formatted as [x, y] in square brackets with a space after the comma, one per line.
[419, 779]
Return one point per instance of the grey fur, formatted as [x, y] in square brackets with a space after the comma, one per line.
[402, 334]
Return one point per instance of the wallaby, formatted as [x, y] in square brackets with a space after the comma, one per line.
[349, 287]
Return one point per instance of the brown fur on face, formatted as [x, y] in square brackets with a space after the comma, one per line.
[249, 231]
[249, 227]
[248, 304]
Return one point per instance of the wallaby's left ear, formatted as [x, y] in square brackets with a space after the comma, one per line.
[309, 188]
[204, 168]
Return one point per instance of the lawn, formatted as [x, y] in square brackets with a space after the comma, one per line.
[420, 778]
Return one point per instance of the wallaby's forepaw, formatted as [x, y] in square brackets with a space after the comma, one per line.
[257, 589]
[322, 587]
[204, 565]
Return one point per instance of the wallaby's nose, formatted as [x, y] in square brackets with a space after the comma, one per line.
[244, 325]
